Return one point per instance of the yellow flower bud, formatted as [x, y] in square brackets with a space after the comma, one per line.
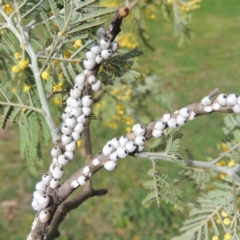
[45, 75]
[227, 236]
[79, 143]
[232, 163]
[224, 213]
[26, 88]
[23, 64]
[15, 69]
[77, 44]
[17, 55]
[227, 221]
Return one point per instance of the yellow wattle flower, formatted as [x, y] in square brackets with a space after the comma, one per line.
[227, 221]
[227, 236]
[232, 163]
[57, 101]
[79, 143]
[77, 44]
[23, 64]
[26, 88]
[45, 75]
[15, 69]
[17, 55]
[215, 238]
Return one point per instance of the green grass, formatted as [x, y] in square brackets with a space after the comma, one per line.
[188, 74]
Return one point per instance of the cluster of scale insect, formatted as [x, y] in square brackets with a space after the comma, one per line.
[121, 147]
[184, 114]
[78, 109]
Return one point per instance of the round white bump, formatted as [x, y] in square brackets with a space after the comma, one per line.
[140, 148]
[208, 109]
[44, 216]
[76, 136]
[236, 108]
[82, 180]
[66, 130]
[123, 140]
[114, 156]
[71, 147]
[181, 120]
[38, 194]
[232, 99]
[82, 119]
[80, 79]
[122, 152]
[172, 123]
[139, 130]
[95, 48]
[63, 160]
[99, 59]
[87, 111]
[131, 146]
[95, 162]
[101, 33]
[69, 101]
[92, 79]
[43, 201]
[57, 172]
[115, 142]
[89, 64]
[108, 149]
[160, 125]
[54, 183]
[67, 110]
[76, 112]
[104, 43]
[166, 117]
[222, 99]
[41, 186]
[35, 205]
[106, 53]
[66, 139]
[216, 106]
[76, 103]
[110, 165]
[96, 86]
[87, 101]
[90, 55]
[157, 133]
[79, 127]
[75, 92]
[69, 155]
[206, 101]
[238, 101]
[193, 115]
[74, 184]
[56, 151]
[86, 170]
[140, 140]
[114, 46]
[65, 115]
[185, 113]
[71, 122]
[79, 87]
[46, 178]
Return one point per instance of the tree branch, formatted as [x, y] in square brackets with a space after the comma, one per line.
[231, 171]
[66, 207]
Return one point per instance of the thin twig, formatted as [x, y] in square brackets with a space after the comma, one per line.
[133, 4]
[23, 106]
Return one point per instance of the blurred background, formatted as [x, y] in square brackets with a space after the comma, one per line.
[183, 75]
